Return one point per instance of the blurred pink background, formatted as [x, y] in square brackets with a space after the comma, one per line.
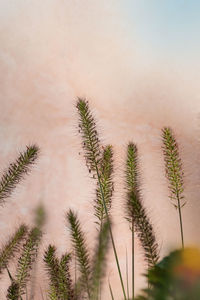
[55, 51]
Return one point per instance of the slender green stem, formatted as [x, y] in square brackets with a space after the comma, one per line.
[133, 261]
[75, 276]
[127, 278]
[111, 292]
[111, 234]
[181, 222]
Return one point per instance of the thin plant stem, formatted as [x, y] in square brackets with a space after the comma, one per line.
[133, 261]
[75, 276]
[127, 279]
[111, 292]
[110, 230]
[181, 222]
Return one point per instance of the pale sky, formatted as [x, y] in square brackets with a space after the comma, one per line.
[168, 28]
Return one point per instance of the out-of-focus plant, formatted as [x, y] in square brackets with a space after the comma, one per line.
[175, 277]
[26, 261]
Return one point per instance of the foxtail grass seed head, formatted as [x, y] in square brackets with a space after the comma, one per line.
[13, 245]
[131, 179]
[173, 166]
[80, 248]
[90, 139]
[65, 280]
[135, 212]
[106, 174]
[174, 173]
[13, 291]
[52, 268]
[17, 171]
[26, 260]
[144, 231]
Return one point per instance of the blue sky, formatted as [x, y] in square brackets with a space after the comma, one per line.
[167, 27]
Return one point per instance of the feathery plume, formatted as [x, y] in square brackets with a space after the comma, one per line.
[174, 172]
[135, 211]
[105, 170]
[52, 267]
[59, 275]
[80, 247]
[13, 291]
[144, 231]
[53, 294]
[12, 246]
[65, 280]
[90, 137]
[25, 262]
[17, 171]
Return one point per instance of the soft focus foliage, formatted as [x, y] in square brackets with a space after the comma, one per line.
[177, 276]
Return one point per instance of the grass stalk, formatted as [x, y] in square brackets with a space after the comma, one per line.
[174, 173]
[111, 291]
[133, 260]
[81, 250]
[92, 149]
[11, 247]
[127, 276]
[17, 171]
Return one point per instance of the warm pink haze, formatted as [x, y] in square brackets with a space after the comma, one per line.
[55, 51]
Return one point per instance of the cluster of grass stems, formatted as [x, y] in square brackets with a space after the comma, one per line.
[88, 281]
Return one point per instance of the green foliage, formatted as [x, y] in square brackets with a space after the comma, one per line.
[80, 247]
[175, 277]
[174, 172]
[17, 171]
[9, 250]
